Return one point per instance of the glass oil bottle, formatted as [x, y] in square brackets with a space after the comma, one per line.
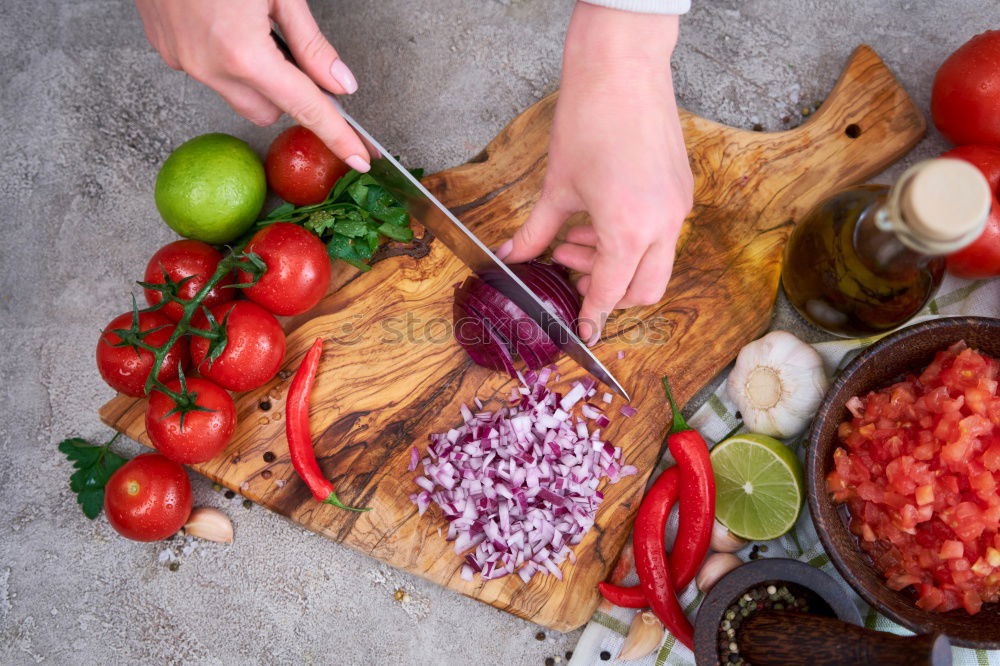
[869, 258]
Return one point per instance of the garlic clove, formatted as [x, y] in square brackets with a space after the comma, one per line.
[644, 636]
[211, 524]
[724, 541]
[715, 567]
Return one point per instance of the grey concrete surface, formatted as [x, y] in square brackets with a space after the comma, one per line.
[87, 114]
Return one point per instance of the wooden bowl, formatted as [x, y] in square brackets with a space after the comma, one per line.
[905, 351]
[729, 588]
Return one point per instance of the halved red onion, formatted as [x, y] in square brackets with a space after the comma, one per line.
[518, 485]
[493, 330]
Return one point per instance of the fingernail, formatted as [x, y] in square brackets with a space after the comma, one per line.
[504, 249]
[594, 338]
[344, 76]
[358, 163]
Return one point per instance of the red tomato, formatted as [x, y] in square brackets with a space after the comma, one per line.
[254, 349]
[298, 269]
[300, 168]
[148, 498]
[126, 369]
[982, 258]
[985, 158]
[203, 435]
[181, 259]
[965, 99]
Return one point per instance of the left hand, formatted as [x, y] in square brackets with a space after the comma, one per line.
[617, 152]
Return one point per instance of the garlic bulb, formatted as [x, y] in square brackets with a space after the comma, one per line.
[777, 384]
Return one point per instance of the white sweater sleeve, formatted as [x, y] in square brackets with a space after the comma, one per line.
[646, 6]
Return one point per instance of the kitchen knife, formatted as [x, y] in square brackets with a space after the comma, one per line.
[424, 206]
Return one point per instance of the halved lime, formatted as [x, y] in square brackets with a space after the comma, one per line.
[758, 486]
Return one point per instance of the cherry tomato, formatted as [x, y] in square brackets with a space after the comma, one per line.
[204, 434]
[126, 369]
[181, 259]
[254, 350]
[965, 99]
[300, 168]
[148, 498]
[982, 258]
[298, 269]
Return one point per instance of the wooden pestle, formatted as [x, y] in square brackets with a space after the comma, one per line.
[781, 638]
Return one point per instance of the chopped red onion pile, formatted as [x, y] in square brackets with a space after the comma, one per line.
[519, 485]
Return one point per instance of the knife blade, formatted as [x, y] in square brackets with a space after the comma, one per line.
[435, 216]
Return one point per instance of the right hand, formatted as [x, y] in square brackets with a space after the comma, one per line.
[228, 47]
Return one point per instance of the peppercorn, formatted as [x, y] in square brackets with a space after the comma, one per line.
[174, 566]
[605, 655]
[269, 456]
[540, 636]
[247, 504]
[549, 661]
[230, 494]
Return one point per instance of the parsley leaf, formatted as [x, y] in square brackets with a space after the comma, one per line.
[353, 220]
[94, 466]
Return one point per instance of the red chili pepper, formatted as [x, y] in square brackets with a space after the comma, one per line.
[620, 595]
[651, 556]
[300, 445]
[697, 513]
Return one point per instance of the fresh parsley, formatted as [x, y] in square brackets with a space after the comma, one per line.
[94, 466]
[353, 219]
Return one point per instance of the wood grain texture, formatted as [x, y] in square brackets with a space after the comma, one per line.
[392, 374]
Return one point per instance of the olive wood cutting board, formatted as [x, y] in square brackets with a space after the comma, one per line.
[391, 373]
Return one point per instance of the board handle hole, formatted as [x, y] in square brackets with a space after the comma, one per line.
[853, 130]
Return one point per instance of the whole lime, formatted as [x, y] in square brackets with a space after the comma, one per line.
[211, 188]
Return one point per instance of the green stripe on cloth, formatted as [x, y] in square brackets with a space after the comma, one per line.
[871, 618]
[982, 658]
[612, 623]
[956, 296]
[668, 645]
[720, 410]
[820, 560]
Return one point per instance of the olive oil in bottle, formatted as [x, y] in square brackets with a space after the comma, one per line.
[870, 257]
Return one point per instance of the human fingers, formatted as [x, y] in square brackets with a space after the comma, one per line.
[582, 234]
[612, 274]
[651, 276]
[314, 54]
[576, 257]
[535, 234]
[247, 102]
[293, 91]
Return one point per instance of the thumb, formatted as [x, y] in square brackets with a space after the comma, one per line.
[535, 234]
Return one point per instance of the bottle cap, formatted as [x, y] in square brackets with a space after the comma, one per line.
[945, 200]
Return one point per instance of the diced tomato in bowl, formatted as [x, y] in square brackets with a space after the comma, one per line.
[917, 466]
